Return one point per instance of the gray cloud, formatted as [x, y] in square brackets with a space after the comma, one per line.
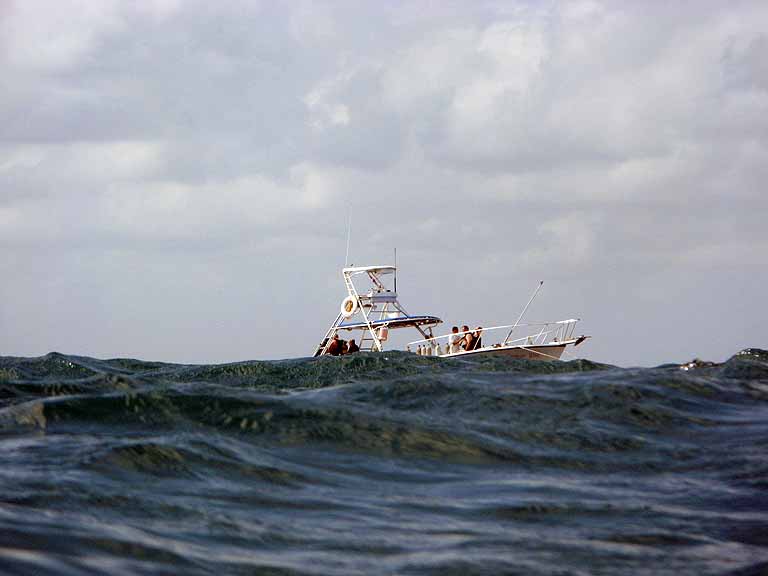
[175, 178]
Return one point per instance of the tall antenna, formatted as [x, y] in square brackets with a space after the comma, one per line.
[395, 270]
[349, 234]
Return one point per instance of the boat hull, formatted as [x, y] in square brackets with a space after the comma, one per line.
[540, 352]
[533, 352]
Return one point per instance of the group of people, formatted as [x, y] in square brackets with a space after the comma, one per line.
[339, 346]
[465, 340]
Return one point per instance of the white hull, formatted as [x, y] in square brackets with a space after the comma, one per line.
[550, 351]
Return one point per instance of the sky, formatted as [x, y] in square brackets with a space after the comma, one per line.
[176, 176]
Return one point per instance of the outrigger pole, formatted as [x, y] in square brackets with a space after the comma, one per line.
[541, 283]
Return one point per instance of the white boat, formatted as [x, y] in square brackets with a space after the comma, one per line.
[376, 311]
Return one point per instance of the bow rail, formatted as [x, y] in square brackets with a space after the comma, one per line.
[538, 334]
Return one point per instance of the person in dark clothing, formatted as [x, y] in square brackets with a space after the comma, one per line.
[334, 348]
[469, 339]
[478, 338]
[352, 348]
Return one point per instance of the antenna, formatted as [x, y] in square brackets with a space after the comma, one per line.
[349, 234]
[395, 270]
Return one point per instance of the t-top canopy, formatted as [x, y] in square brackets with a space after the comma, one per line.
[374, 269]
[392, 323]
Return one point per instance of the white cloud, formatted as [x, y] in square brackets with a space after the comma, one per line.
[50, 36]
[340, 115]
[76, 168]
[20, 158]
[158, 10]
[422, 74]
[568, 240]
[312, 23]
[322, 102]
[115, 209]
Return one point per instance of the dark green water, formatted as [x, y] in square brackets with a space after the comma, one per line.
[383, 464]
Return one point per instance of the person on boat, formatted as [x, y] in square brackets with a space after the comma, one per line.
[335, 347]
[469, 339]
[352, 347]
[478, 338]
[454, 339]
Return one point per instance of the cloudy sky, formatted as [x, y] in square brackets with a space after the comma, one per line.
[175, 177]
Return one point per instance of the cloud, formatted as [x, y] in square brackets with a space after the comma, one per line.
[568, 239]
[322, 105]
[114, 205]
[44, 37]
[595, 143]
[74, 169]
[312, 23]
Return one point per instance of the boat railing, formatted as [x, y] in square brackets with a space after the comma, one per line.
[535, 334]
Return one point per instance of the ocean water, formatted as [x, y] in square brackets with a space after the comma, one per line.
[383, 464]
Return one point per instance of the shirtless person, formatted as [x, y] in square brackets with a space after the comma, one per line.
[453, 340]
[352, 348]
[334, 348]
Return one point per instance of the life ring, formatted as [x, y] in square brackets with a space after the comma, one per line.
[348, 306]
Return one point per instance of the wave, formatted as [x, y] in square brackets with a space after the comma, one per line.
[536, 413]
[383, 463]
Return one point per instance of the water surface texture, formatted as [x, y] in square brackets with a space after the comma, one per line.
[383, 464]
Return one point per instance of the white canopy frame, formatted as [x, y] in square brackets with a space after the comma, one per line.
[378, 310]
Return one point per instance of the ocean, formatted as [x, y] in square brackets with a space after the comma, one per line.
[383, 463]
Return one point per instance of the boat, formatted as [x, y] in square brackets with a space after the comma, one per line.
[376, 310]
